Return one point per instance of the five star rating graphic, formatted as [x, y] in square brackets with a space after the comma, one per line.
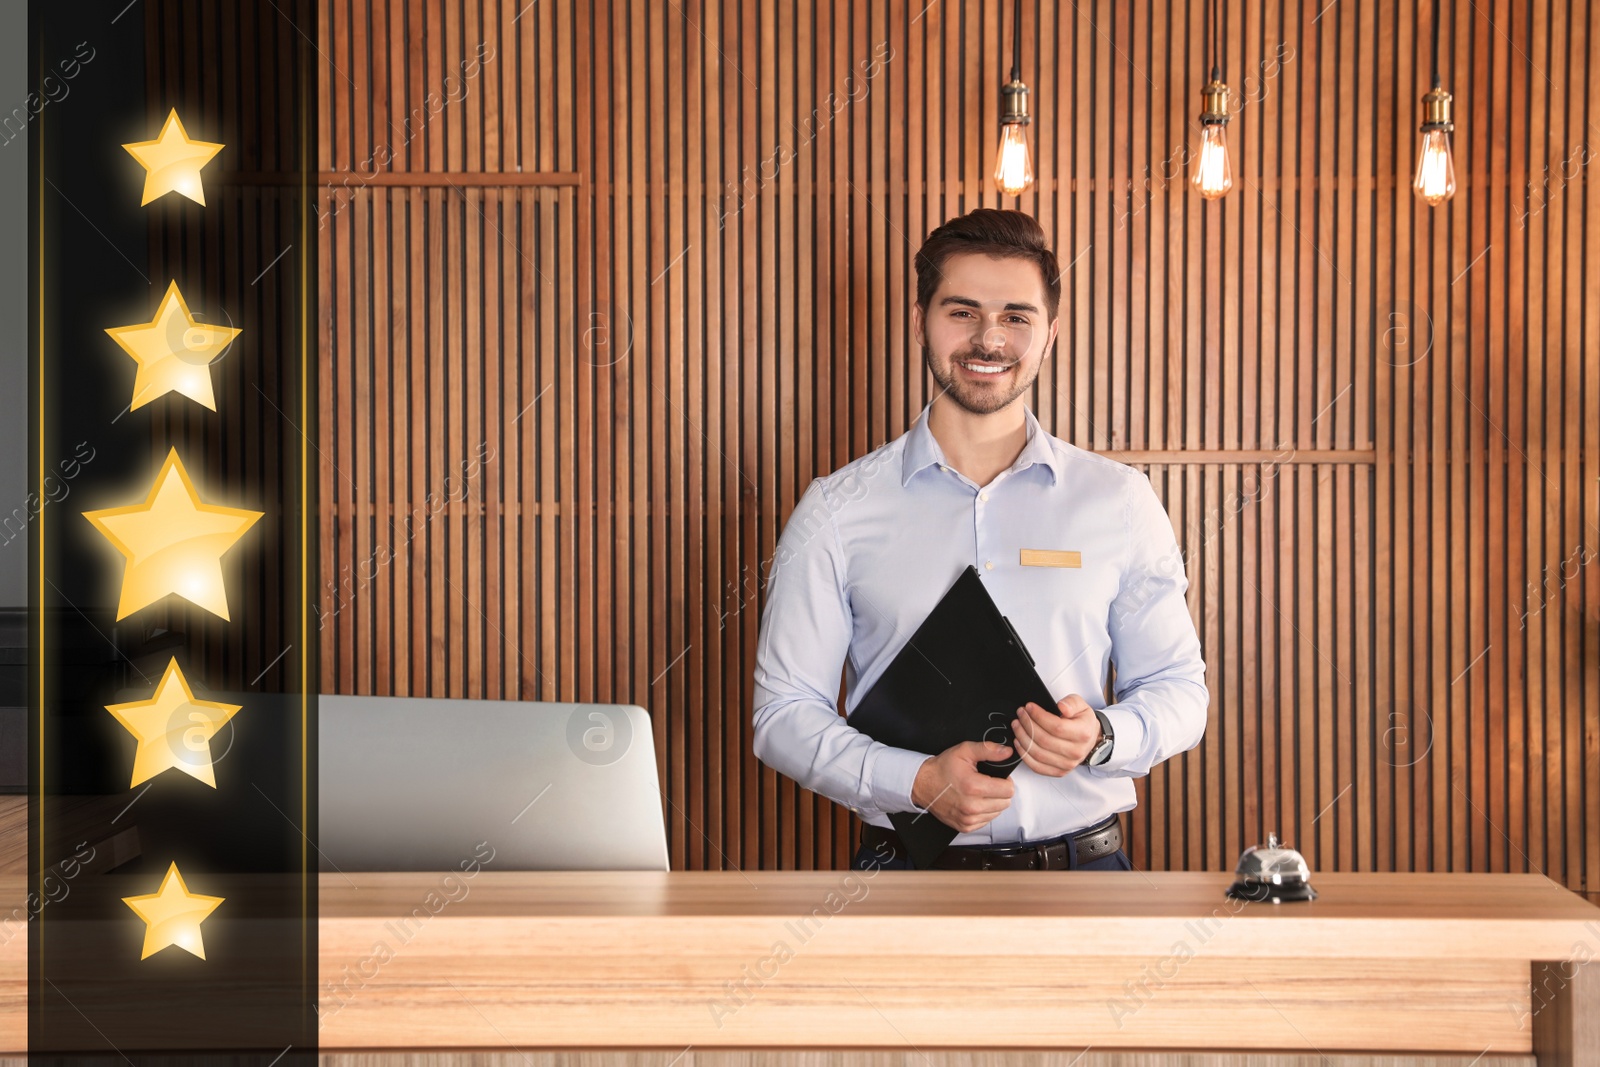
[172, 542]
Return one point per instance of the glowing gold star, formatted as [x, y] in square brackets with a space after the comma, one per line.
[173, 915]
[172, 542]
[174, 729]
[172, 162]
[174, 352]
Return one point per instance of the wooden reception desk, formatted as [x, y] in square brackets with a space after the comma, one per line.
[1480, 966]
[731, 969]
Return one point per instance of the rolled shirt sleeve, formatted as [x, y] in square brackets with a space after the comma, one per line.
[804, 638]
[1161, 695]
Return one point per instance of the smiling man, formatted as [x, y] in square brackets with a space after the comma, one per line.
[1075, 549]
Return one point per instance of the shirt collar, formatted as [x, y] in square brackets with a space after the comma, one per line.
[922, 449]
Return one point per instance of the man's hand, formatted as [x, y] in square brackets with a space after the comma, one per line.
[951, 787]
[1052, 745]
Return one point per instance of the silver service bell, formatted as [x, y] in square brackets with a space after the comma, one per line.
[1272, 872]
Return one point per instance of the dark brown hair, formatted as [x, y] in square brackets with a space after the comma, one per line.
[991, 232]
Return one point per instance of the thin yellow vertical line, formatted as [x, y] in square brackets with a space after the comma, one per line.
[40, 600]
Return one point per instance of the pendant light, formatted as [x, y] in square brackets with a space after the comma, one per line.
[1213, 175]
[1435, 181]
[1013, 166]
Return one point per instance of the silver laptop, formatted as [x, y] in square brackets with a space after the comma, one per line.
[417, 784]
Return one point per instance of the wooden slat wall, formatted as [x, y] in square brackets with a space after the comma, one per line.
[659, 292]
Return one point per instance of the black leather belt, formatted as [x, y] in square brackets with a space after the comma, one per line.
[1097, 841]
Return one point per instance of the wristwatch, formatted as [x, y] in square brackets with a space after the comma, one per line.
[1102, 748]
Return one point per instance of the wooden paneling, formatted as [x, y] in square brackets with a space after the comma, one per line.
[1374, 424]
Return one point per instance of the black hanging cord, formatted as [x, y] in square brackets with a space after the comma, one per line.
[1436, 44]
[1213, 15]
[1016, 42]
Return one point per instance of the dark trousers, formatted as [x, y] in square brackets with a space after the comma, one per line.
[867, 859]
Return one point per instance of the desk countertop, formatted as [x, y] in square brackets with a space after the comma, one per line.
[1088, 913]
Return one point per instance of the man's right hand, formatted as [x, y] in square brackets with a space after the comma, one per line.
[961, 796]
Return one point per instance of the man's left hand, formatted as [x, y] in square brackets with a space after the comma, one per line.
[1052, 745]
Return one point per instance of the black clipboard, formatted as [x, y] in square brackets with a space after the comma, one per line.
[961, 677]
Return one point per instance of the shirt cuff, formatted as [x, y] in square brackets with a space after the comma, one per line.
[893, 773]
[1128, 730]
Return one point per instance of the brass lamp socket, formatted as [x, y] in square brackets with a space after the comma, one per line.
[1014, 104]
[1214, 98]
[1436, 110]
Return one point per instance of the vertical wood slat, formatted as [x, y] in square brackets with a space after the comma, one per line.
[665, 354]
[1588, 340]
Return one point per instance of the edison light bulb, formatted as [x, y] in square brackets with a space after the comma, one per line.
[1013, 166]
[1213, 176]
[1436, 173]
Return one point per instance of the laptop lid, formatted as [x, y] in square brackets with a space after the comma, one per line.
[421, 784]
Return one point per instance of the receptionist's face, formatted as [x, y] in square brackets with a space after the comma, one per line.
[986, 330]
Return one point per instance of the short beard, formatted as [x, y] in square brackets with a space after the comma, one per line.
[962, 392]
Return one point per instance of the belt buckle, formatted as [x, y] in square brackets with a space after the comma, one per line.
[1032, 856]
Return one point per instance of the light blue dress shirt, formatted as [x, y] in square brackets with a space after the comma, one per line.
[871, 548]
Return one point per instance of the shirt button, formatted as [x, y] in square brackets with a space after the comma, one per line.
[983, 496]
[987, 565]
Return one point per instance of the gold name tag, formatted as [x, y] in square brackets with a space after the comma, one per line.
[1050, 557]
